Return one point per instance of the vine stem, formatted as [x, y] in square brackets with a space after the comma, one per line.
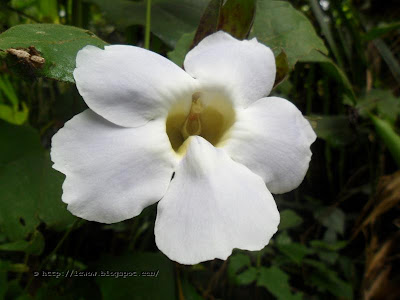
[148, 24]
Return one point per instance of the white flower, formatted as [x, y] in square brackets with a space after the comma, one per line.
[227, 146]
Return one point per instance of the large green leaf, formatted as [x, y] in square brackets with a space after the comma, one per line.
[281, 27]
[57, 44]
[30, 190]
[169, 18]
[16, 141]
[159, 286]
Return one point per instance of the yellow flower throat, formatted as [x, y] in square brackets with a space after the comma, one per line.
[211, 116]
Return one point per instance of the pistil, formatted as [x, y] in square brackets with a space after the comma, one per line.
[192, 124]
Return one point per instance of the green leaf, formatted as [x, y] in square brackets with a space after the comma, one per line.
[29, 188]
[247, 276]
[237, 262]
[224, 18]
[277, 283]
[240, 270]
[336, 246]
[289, 219]
[325, 279]
[328, 251]
[389, 57]
[11, 113]
[281, 27]
[232, 16]
[380, 31]
[389, 137]
[295, 251]
[15, 291]
[236, 17]
[189, 291]
[386, 105]
[283, 238]
[181, 49]
[34, 246]
[331, 217]
[170, 19]
[161, 286]
[7, 266]
[57, 44]
[335, 130]
[16, 142]
[8, 90]
[282, 68]
[328, 257]
[208, 22]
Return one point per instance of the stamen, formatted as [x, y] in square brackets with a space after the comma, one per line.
[192, 125]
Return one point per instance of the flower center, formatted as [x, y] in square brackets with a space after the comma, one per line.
[209, 115]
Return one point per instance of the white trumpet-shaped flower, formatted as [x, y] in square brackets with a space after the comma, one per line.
[211, 129]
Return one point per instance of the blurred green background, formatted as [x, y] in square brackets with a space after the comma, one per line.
[338, 62]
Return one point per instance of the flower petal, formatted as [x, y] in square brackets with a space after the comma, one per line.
[213, 205]
[247, 66]
[128, 85]
[272, 138]
[112, 172]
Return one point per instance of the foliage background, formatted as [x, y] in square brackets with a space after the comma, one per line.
[338, 61]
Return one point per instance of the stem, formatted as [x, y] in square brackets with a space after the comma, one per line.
[148, 23]
[179, 284]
